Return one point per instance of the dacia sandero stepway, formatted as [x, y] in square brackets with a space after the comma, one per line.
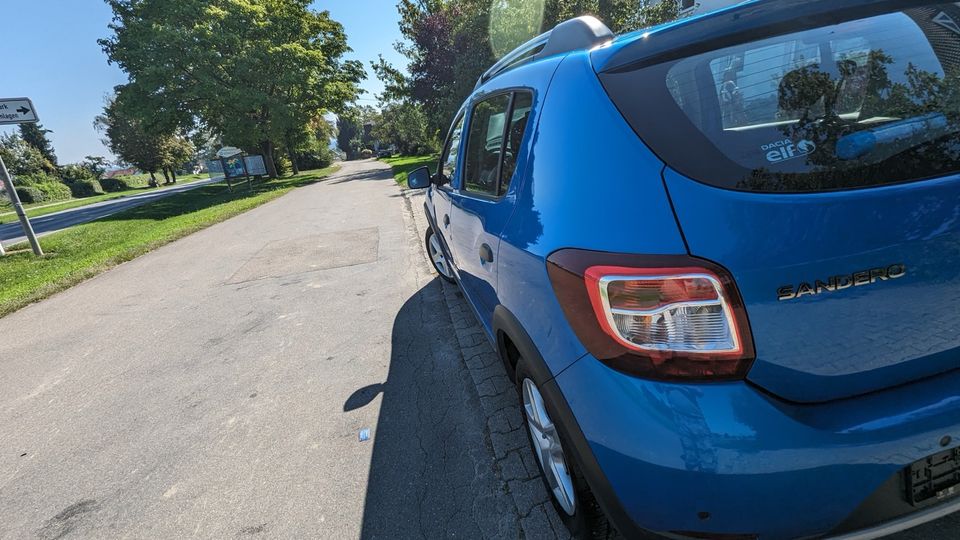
[721, 258]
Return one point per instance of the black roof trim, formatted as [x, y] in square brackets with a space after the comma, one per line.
[741, 24]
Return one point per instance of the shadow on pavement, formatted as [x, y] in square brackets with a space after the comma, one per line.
[431, 473]
[368, 174]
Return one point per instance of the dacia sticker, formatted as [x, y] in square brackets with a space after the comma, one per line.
[786, 149]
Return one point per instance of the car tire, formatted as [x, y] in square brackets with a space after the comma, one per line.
[587, 520]
[437, 256]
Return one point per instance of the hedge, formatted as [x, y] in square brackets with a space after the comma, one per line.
[86, 188]
[54, 191]
[122, 183]
[29, 194]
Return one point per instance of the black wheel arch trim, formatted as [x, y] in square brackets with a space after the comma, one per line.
[505, 323]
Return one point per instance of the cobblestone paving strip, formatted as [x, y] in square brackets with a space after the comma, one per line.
[515, 464]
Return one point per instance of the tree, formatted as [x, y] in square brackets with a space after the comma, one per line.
[253, 71]
[352, 131]
[449, 44]
[127, 136]
[404, 125]
[348, 134]
[36, 136]
[174, 152]
[97, 165]
[22, 158]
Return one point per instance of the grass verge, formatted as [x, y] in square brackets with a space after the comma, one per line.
[86, 250]
[7, 215]
[404, 164]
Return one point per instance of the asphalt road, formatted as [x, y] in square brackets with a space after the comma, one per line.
[12, 233]
[218, 386]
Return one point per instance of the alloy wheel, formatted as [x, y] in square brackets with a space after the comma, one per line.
[548, 448]
[436, 255]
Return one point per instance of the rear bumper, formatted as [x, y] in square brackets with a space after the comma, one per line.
[728, 459]
[902, 523]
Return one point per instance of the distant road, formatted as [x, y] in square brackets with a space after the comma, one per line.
[12, 233]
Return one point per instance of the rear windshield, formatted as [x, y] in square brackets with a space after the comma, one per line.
[864, 103]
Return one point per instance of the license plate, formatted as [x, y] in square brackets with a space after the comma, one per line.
[934, 478]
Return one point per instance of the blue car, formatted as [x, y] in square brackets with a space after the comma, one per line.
[721, 258]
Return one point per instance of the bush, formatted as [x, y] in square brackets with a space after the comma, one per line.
[122, 183]
[29, 194]
[34, 179]
[85, 188]
[76, 173]
[54, 191]
[366, 153]
[315, 160]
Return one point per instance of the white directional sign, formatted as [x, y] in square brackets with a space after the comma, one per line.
[17, 111]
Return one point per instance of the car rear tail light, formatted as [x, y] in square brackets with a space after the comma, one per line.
[661, 317]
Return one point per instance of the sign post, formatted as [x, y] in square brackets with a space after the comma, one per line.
[18, 111]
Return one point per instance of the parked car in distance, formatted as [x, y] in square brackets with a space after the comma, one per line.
[721, 260]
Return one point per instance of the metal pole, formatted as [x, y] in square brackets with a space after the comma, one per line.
[15, 199]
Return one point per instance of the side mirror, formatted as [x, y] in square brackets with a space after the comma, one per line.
[419, 178]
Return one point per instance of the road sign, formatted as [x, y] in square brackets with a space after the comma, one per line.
[17, 111]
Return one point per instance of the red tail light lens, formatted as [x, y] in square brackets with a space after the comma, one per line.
[663, 317]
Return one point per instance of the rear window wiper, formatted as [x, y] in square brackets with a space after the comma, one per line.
[887, 140]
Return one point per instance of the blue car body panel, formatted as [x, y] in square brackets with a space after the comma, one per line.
[582, 149]
[846, 342]
[756, 464]
[476, 221]
[836, 403]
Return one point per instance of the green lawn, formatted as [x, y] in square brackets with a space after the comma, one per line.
[7, 215]
[81, 252]
[404, 164]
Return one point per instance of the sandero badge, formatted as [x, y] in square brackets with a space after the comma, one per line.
[843, 281]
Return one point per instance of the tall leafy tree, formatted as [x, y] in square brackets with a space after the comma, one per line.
[355, 128]
[253, 71]
[128, 137]
[450, 43]
[36, 136]
[348, 133]
[22, 158]
[404, 125]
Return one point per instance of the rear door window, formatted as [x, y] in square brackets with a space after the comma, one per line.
[484, 142]
[863, 103]
[496, 131]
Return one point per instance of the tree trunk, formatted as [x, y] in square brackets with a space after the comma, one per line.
[173, 175]
[166, 177]
[153, 180]
[293, 162]
[266, 147]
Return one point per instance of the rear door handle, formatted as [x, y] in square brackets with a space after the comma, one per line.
[486, 254]
[446, 220]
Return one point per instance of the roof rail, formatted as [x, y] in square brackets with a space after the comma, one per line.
[580, 33]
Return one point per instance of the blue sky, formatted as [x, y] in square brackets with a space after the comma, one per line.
[53, 58]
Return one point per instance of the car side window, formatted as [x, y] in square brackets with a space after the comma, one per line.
[520, 113]
[484, 145]
[448, 161]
